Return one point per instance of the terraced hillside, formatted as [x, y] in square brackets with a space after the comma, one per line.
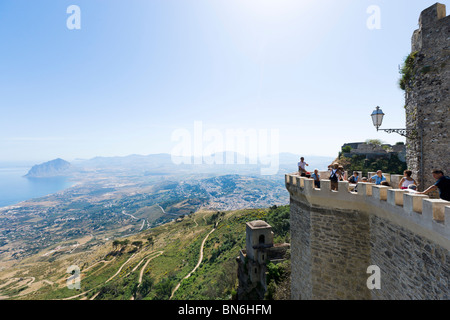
[190, 258]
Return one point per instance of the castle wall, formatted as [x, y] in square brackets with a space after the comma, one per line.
[412, 267]
[337, 255]
[336, 236]
[301, 258]
[427, 96]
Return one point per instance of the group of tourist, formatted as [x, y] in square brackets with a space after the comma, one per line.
[337, 173]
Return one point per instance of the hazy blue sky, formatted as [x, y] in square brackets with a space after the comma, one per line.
[138, 70]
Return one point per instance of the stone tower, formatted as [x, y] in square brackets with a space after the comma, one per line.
[259, 236]
[427, 96]
[253, 260]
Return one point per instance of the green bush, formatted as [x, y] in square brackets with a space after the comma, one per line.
[407, 70]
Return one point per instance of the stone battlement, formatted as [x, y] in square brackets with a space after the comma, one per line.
[337, 235]
[429, 217]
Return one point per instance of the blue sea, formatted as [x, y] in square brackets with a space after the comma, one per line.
[14, 188]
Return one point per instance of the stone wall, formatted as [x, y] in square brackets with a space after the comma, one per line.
[427, 96]
[338, 249]
[336, 236]
[412, 267]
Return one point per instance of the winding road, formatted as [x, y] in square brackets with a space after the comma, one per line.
[200, 259]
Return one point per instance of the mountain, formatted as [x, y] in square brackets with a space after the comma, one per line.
[219, 163]
[54, 168]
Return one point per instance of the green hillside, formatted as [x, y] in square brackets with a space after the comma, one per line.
[151, 264]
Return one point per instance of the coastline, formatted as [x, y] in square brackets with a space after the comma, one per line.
[16, 189]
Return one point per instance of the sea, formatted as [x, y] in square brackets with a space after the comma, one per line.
[15, 188]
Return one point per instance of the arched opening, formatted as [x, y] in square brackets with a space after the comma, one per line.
[262, 239]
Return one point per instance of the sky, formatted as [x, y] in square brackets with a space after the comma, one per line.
[138, 72]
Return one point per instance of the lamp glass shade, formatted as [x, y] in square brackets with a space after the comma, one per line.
[377, 117]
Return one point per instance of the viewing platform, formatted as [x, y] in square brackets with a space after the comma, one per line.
[429, 217]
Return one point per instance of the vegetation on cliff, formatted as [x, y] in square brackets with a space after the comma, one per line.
[391, 164]
[150, 264]
[407, 71]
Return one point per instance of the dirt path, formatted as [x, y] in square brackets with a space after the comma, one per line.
[101, 261]
[120, 269]
[198, 263]
[141, 274]
[86, 292]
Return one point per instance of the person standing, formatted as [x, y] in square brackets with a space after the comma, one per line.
[302, 167]
[316, 177]
[334, 177]
[442, 183]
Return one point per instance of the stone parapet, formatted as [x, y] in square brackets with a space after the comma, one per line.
[402, 206]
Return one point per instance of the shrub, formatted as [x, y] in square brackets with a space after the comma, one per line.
[407, 70]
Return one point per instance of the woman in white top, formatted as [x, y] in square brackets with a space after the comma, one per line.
[406, 180]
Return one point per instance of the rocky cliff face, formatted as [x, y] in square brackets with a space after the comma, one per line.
[54, 168]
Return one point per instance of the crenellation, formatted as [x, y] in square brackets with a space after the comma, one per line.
[405, 203]
[325, 185]
[365, 188]
[431, 15]
[433, 209]
[447, 217]
[413, 202]
[307, 183]
[343, 186]
[336, 235]
[395, 197]
[380, 192]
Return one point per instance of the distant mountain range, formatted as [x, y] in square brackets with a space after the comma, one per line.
[219, 163]
[54, 168]
[222, 157]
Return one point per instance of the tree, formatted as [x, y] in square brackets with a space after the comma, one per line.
[141, 291]
[115, 244]
[150, 241]
[137, 244]
[375, 142]
[346, 149]
[163, 289]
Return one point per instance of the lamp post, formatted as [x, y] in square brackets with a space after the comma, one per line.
[377, 119]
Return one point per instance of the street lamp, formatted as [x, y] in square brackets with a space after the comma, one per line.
[377, 119]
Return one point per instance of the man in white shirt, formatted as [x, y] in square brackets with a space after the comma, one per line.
[302, 167]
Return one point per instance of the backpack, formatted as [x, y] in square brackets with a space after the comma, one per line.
[333, 176]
